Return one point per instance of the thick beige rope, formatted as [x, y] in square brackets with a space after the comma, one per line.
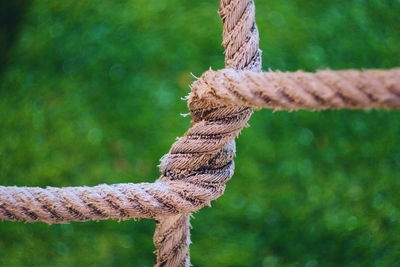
[199, 164]
[327, 89]
[193, 173]
[210, 146]
[187, 171]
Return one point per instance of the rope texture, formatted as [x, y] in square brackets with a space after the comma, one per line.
[193, 173]
[327, 89]
[204, 156]
[199, 164]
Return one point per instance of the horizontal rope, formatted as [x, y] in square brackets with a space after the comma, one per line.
[326, 89]
[194, 173]
[200, 163]
[58, 205]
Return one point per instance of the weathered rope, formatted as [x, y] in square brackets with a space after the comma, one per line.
[193, 173]
[327, 89]
[172, 240]
[118, 201]
[199, 164]
[210, 146]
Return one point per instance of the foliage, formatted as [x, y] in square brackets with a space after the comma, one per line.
[91, 95]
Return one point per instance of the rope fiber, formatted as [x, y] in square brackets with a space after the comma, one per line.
[199, 164]
[327, 89]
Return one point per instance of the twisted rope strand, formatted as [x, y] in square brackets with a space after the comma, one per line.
[172, 240]
[327, 89]
[208, 147]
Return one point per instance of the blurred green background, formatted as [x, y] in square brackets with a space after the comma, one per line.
[90, 93]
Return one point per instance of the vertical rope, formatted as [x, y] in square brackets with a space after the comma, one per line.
[240, 35]
[240, 40]
[172, 240]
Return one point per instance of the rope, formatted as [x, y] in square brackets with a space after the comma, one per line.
[118, 201]
[199, 164]
[209, 145]
[327, 89]
[193, 173]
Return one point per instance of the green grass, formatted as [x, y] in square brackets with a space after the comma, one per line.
[91, 95]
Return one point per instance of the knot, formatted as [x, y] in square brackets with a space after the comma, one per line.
[200, 163]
